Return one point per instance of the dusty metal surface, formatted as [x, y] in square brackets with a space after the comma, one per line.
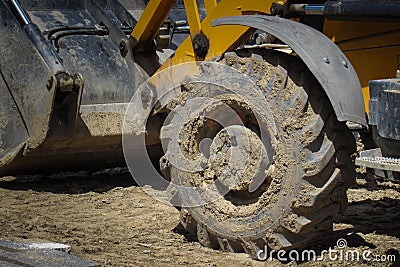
[39, 253]
[373, 159]
[26, 102]
[109, 81]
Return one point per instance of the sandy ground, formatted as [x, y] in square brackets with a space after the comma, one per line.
[106, 218]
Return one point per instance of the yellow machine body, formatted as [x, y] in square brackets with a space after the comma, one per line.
[372, 47]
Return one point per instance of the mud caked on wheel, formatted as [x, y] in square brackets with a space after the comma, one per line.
[272, 175]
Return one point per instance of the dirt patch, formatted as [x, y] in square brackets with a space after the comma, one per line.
[108, 219]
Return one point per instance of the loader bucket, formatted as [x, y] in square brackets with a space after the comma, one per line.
[64, 86]
[26, 101]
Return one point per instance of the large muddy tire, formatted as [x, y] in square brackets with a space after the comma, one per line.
[309, 173]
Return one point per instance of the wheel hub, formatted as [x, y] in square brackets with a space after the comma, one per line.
[238, 159]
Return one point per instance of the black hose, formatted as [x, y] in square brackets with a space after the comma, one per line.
[365, 10]
[54, 35]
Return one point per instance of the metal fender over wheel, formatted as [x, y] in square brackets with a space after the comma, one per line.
[303, 169]
[325, 60]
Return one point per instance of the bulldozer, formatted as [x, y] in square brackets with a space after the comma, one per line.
[299, 75]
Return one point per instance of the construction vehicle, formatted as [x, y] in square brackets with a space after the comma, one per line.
[70, 68]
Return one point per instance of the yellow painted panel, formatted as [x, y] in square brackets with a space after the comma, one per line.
[210, 5]
[151, 20]
[223, 37]
[192, 14]
[373, 49]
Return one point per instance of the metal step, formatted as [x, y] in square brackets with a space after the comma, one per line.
[373, 159]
